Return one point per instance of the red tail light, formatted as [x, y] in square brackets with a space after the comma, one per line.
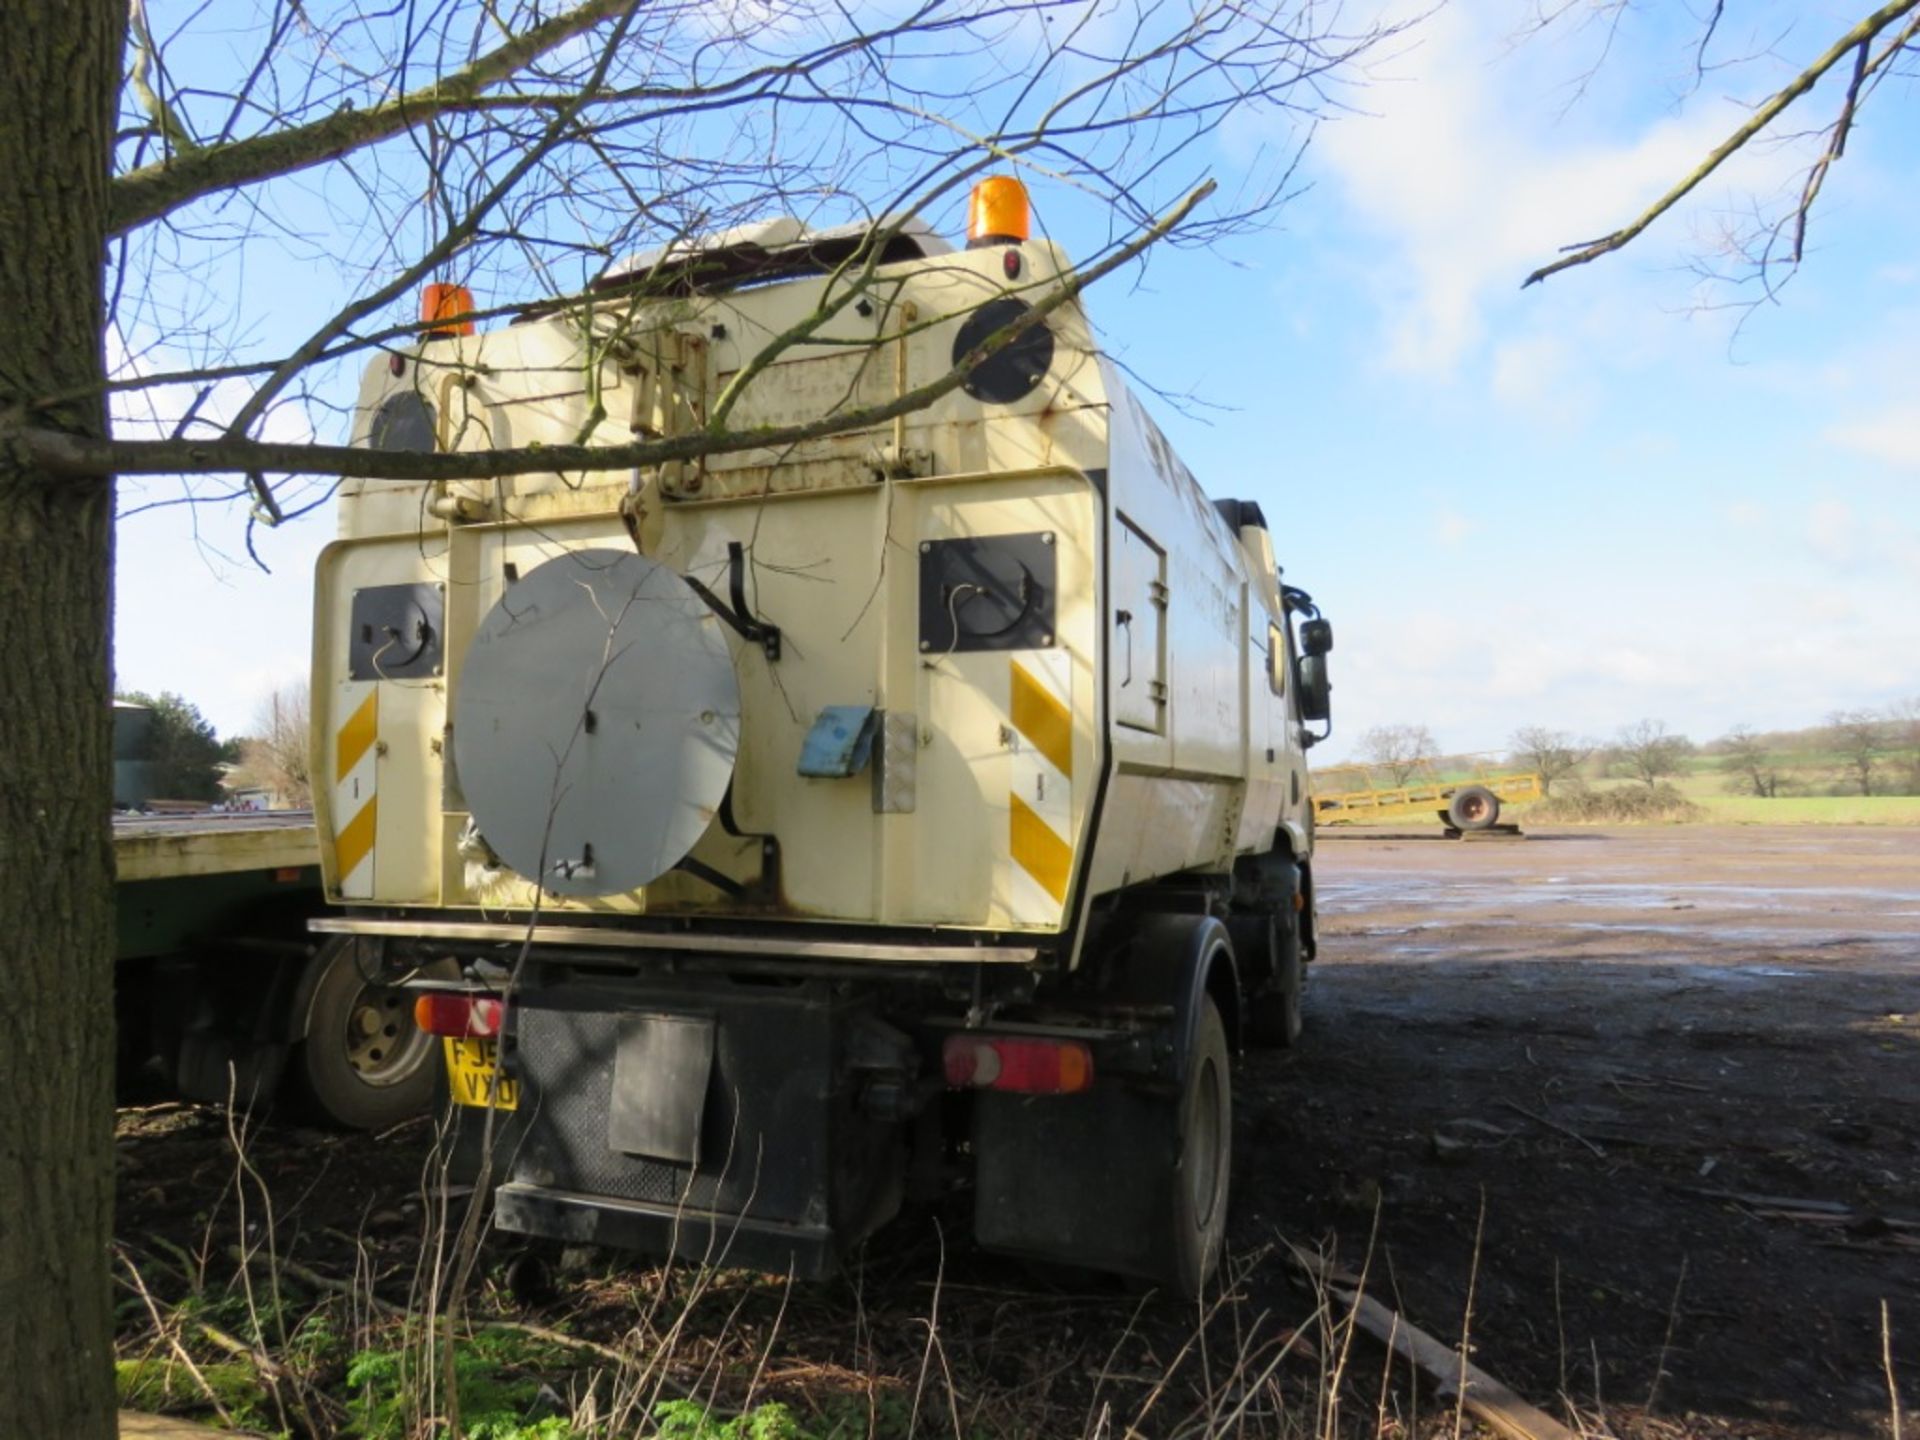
[1030, 1066]
[459, 1017]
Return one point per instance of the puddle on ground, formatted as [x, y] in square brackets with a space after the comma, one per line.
[1438, 892]
[1779, 936]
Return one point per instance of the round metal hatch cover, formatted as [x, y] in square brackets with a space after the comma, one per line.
[597, 721]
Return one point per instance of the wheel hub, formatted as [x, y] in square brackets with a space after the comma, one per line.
[381, 1040]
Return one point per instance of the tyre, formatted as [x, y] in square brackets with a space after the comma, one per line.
[362, 1064]
[1473, 807]
[1202, 1175]
[1275, 1017]
[530, 1278]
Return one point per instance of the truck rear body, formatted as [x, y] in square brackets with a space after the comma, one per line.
[751, 780]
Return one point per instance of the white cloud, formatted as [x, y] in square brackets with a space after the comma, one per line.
[1528, 371]
[1892, 436]
[1830, 531]
[1462, 170]
[1531, 641]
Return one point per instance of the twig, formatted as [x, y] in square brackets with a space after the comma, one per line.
[234, 1345]
[1466, 1317]
[1836, 147]
[1666, 1341]
[316, 1281]
[1555, 1126]
[1486, 1399]
[273, 1375]
[62, 454]
[1886, 1361]
[166, 1333]
[1858, 36]
[1771, 1202]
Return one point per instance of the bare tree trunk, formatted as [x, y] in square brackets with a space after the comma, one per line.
[59, 72]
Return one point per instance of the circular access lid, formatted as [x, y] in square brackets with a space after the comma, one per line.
[596, 723]
[1012, 371]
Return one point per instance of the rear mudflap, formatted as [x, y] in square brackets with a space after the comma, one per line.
[1075, 1179]
[712, 1119]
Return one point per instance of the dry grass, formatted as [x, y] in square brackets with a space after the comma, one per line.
[271, 1318]
[272, 1322]
[1616, 805]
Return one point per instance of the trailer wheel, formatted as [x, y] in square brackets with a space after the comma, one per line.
[362, 1064]
[1202, 1176]
[1473, 807]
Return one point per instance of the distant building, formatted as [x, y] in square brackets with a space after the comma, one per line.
[239, 791]
[132, 756]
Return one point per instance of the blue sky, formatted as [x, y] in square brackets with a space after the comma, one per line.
[1574, 506]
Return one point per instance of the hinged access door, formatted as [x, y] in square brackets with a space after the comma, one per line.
[1138, 656]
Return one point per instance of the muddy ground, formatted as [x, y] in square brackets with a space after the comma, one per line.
[1537, 1071]
[1579, 1044]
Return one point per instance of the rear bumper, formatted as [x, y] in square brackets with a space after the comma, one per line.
[698, 1237]
[788, 946]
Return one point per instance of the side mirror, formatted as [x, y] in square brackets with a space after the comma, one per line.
[1316, 688]
[1316, 637]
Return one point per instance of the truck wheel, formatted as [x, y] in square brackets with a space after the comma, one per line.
[1473, 807]
[1275, 1016]
[1202, 1176]
[362, 1064]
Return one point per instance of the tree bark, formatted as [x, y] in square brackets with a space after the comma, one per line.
[59, 73]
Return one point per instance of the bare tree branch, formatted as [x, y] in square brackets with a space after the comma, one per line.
[74, 456]
[1858, 38]
[154, 190]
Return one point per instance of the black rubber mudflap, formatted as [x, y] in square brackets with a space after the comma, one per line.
[1076, 1179]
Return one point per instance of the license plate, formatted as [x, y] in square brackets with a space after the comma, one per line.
[473, 1076]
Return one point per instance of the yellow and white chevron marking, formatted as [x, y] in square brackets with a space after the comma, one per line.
[1040, 786]
[355, 812]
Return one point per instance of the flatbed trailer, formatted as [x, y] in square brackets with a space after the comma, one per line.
[1465, 805]
[219, 985]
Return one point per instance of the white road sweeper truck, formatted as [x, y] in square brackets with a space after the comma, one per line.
[834, 821]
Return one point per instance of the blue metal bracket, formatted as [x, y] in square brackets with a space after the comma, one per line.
[840, 742]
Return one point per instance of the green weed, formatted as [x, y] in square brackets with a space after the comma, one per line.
[844, 1417]
[159, 1383]
[844, 1420]
[498, 1379]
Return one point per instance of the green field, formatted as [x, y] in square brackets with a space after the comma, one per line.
[1724, 809]
[1806, 771]
[1811, 809]
[1706, 784]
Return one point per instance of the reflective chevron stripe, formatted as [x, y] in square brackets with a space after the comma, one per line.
[1040, 784]
[355, 808]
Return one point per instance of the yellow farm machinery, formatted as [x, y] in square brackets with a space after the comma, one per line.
[1353, 795]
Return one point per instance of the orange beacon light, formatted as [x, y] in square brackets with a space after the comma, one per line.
[439, 307]
[997, 212]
